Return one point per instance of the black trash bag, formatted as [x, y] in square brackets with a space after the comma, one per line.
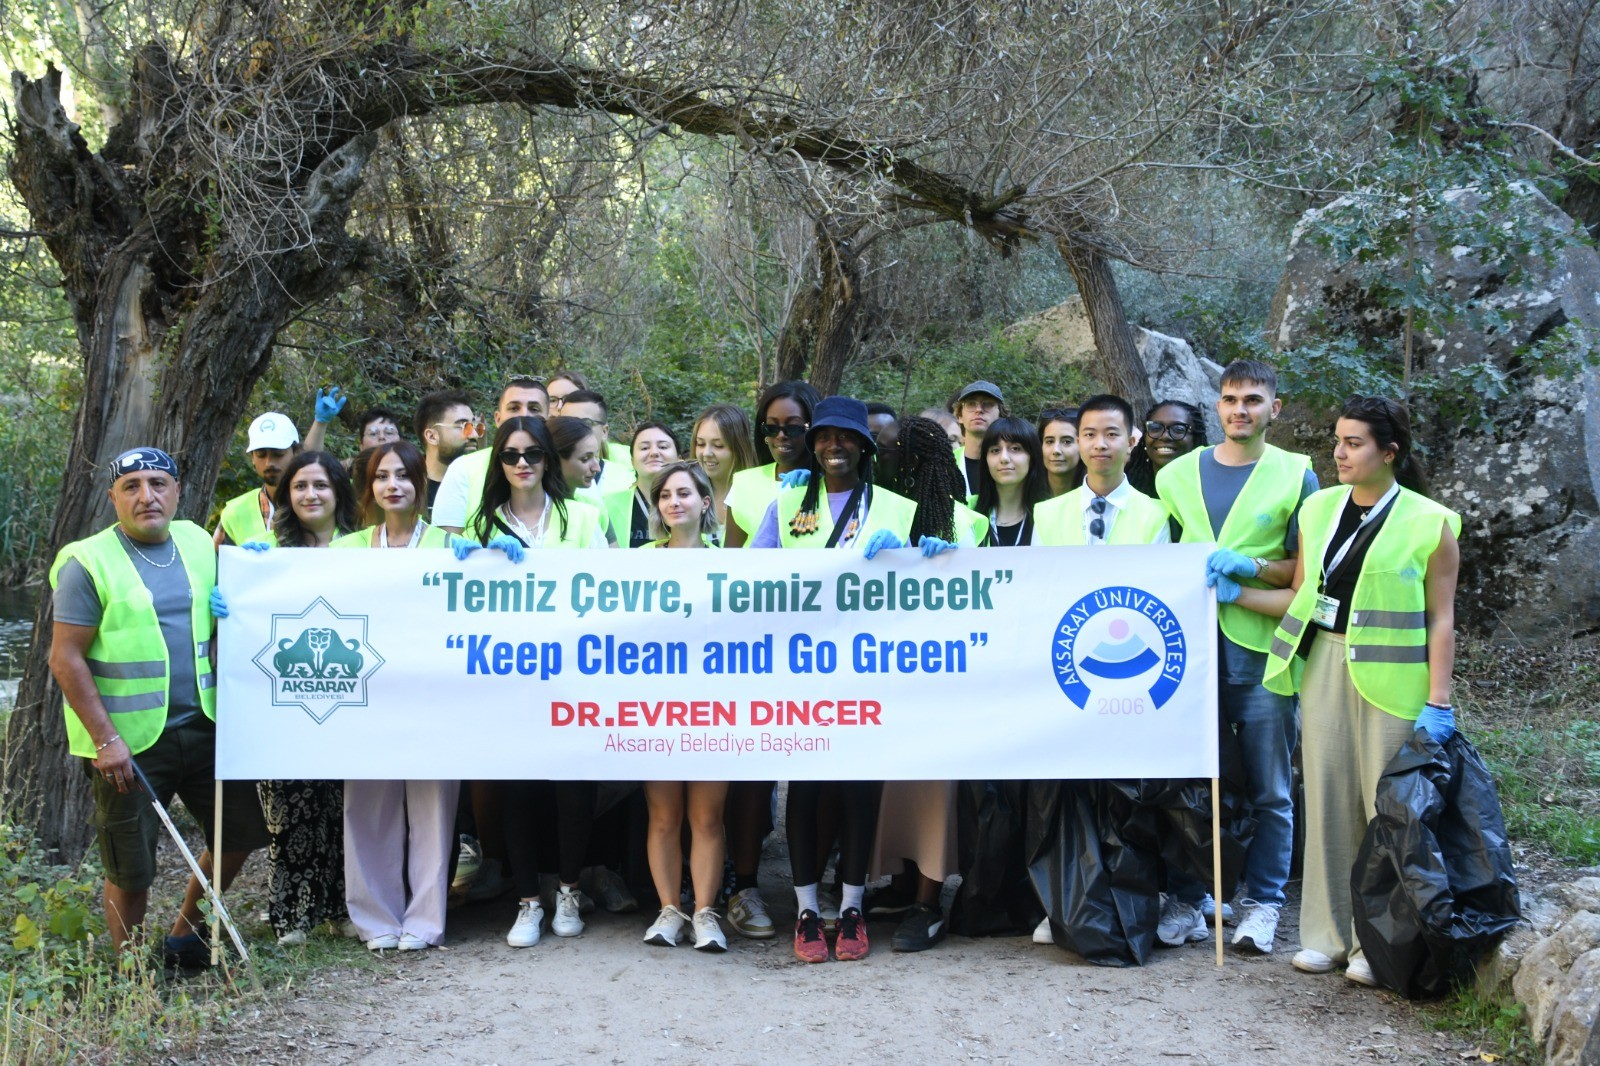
[996, 897]
[1094, 865]
[1432, 885]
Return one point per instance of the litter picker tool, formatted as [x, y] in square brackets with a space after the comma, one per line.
[194, 867]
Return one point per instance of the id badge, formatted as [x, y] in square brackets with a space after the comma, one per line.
[1326, 612]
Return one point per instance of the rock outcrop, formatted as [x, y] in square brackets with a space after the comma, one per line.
[1552, 968]
[1527, 484]
[1061, 334]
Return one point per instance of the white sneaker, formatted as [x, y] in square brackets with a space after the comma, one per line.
[747, 913]
[294, 938]
[708, 934]
[1307, 960]
[667, 927]
[1042, 933]
[530, 918]
[1258, 926]
[1360, 972]
[1208, 908]
[412, 942]
[383, 942]
[1181, 923]
[568, 920]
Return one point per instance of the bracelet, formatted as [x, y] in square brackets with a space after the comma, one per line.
[1439, 706]
[107, 744]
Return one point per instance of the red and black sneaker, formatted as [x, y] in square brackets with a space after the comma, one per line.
[851, 943]
[809, 944]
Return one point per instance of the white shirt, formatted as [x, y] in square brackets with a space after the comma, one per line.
[1116, 500]
[454, 501]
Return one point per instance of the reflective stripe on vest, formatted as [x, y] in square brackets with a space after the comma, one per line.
[1386, 645]
[1059, 522]
[1256, 526]
[128, 656]
[888, 511]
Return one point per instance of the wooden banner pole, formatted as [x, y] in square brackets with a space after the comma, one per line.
[1217, 893]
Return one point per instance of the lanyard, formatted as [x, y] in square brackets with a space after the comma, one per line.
[416, 534]
[266, 498]
[1024, 535]
[1375, 513]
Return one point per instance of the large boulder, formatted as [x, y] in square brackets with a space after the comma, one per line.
[1527, 483]
[1061, 334]
[1558, 982]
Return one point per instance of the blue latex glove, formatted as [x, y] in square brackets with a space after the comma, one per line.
[219, 603]
[1440, 722]
[508, 544]
[794, 479]
[330, 403]
[463, 548]
[932, 546]
[883, 538]
[256, 546]
[1227, 588]
[1225, 562]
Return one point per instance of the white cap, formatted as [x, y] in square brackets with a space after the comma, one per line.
[272, 430]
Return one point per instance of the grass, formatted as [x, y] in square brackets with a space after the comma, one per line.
[1531, 711]
[67, 998]
[1497, 1026]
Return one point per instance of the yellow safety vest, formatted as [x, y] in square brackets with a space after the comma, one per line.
[128, 655]
[888, 510]
[432, 537]
[1059, 522]
[241, 517]
[1386, 644]
[585, 522]
[749, 495]
[1256, 526]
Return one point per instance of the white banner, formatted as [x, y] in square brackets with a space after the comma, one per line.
[718, 665]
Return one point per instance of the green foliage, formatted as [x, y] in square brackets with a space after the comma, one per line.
[929, 374]
[1530, 712]
[1444, 185]
[1499, 1027]
[39, 385]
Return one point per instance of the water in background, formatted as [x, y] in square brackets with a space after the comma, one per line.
[16, 628]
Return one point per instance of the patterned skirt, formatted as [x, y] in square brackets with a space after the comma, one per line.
[305, 876]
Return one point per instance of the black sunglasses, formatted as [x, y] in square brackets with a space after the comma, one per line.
[1097, 524]
[773, 429]
[1157, 430]
[511, 457]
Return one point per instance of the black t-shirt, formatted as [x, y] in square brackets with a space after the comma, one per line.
[972, 467]
[1343, 586]
[639, 528]
[1016, 535]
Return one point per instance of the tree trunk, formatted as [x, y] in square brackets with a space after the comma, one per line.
[824, 323]
[1120, 365]
[146, 382]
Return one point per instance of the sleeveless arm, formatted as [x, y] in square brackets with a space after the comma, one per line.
[1444, 567]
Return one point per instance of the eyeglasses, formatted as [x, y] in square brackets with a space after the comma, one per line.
[470, 428]
[1175, 431]
[774, 429]
[1097, 524]
[531, 456]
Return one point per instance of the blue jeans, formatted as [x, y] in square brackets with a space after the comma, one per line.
[1267, 728]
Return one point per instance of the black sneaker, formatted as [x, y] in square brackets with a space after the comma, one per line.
[893, 898]
[189, 952]
[920, 930]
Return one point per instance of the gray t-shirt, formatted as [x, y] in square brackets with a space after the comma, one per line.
[1220, 485]
[77, 603]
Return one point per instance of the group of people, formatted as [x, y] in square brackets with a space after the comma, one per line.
[1335, 615]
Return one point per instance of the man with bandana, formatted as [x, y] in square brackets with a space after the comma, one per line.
[132, 652]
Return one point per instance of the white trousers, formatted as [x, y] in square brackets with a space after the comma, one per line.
[399, 835]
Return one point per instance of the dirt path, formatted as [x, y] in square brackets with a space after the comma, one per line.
[606, 996]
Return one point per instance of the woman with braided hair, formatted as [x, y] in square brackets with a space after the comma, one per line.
[1172, 428]
[838, 506]
[930, 478]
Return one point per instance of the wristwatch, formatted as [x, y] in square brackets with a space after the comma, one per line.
[1261, 566]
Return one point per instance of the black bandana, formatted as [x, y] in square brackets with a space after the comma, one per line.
[136, 459]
